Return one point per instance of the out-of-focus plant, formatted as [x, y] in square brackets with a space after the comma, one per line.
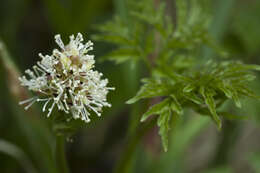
[254, 160]
[18, 154]
[171, 52]
[35, 128]
[62, 14]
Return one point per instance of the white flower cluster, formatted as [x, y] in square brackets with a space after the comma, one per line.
[67, 79]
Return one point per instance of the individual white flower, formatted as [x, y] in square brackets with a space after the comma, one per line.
[66, 79]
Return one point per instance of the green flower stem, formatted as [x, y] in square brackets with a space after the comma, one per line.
[124, 163]
[61, 161]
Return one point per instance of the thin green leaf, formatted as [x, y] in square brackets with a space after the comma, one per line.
[176, 106]
[225, 90]
[236, 98]
[156, 109]
[194, 98]
[243, 90]
[209, 100]
[18, 154]
[189, 88]
[163, 123]
[122, 54]
[151, 88]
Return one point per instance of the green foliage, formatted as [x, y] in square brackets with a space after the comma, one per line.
[203, 90]
[174, 46]
[246, 25]
[134, 37]
[146, 25]
[220, 169]
[171, 48]
[167, 109]
[254, 161]
[184, 132]
[62, 14]
[17, 153]
[35, 127]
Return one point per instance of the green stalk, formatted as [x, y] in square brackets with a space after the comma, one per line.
[220, 23]
[60, 155]
[227, 141]
[134, 133]
[124, 163]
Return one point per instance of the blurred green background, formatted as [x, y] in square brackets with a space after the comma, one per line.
[27, 27]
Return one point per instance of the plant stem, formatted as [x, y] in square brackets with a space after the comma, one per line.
[60, 154]
[228, 137]
[220, 23]
[125, 161]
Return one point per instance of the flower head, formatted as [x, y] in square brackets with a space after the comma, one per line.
[66, 79]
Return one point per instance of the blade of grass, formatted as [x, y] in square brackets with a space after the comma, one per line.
[35, 130]
[18, 154]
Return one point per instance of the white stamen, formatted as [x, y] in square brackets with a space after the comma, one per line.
[45, 104]
[59, 41]
[50, 109]
[74, 87]
[27, 100]
[28, 106]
